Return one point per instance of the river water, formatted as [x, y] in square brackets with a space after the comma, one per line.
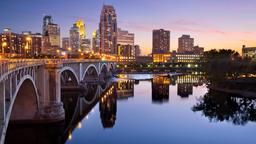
[157, 109]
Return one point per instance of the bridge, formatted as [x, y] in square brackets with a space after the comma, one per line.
[30, 90]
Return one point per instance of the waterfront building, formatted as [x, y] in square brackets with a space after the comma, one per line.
[186, 44]
[187, 58]
[249, 52]
[161, 46]
[125, 46]
[65, 43]
[50, 36]
[108, 30]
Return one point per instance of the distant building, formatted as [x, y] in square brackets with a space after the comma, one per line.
[186, 44]
[249, 52]
[74, 36]
[20, 44]
[65, 43]
[125, 46]
[161, 46]
[86, 45]
[162, 58]
[108, 30]
[161, 41]
[32, 43]
[144, 59]
[198, 50]
[137, 50]
[51, 36]
[81, 28]
[124, 37]
[96, 41]
[187, 58]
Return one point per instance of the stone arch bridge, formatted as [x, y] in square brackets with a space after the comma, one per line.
[30, 90]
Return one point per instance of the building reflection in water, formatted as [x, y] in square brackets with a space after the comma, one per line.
[108, 107]
[160, 89]
[185, 84]
[125, 89]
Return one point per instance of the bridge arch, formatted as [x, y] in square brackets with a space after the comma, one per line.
[70, 73]
[24, 105]
[91, 71]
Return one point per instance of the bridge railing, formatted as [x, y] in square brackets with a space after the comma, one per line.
[7, 65]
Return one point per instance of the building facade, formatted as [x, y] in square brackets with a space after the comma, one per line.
[161, 41]
[108, 30]
[50, 36]
[96, 41]
[74, 36]
[185, 44]
[137, 50]
[65, 43]
[249, 52]
[20, 45]
[125, 46]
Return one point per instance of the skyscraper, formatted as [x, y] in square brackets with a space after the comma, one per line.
[186, 44]
[51, 36]
[108, 30]
[74, 38]
[161, 41]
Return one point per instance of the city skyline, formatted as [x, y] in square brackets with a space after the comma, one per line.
[215, 24]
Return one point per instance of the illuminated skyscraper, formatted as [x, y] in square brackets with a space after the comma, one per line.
[51, 36]
[81, 26]
[161, 41]
[186, 44]
[108, 30]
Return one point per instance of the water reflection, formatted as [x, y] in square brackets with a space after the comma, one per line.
[219, 107]
[79, 106]
[160, 89]
[108, 106]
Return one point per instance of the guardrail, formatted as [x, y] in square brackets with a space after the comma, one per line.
[7, 65]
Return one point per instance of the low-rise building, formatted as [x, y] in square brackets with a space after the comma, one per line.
[249, 52]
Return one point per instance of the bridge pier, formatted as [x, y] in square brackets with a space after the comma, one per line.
[51, 108]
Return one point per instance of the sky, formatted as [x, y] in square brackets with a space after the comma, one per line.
[212, 23]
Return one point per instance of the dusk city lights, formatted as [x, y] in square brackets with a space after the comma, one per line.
[130, 72]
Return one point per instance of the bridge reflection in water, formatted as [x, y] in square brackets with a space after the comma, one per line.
[79, 102]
